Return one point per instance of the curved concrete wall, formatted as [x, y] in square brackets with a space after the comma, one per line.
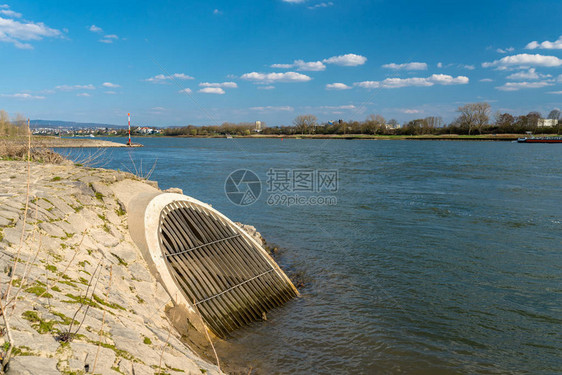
[145, 211]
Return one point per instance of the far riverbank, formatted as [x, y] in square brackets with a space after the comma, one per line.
[432, 137]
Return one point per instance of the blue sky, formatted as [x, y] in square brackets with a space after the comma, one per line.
[206, 62]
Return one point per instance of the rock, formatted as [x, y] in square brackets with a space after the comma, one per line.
[82, 232]
[35, 342]
[174, 190]
[84, 355]
[30, 365]
[52, 230]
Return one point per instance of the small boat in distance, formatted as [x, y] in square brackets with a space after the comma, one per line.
[228, 136]
[532, 139]
[540, 140]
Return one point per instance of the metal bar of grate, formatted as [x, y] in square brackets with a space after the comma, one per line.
[200, 246]
[227, 276]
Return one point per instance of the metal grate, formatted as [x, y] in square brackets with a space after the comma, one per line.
[226, 276]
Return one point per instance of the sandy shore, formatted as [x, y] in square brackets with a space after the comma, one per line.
[55, 142]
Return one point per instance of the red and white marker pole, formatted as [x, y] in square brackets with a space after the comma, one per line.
[129, 116]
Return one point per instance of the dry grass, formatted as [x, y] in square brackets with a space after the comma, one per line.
[16, 148]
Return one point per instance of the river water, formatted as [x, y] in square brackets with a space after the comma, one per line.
[426, 257]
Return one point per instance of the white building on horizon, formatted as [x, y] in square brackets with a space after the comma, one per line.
[547, 122]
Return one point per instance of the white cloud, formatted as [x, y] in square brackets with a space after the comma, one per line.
[212, 90]
[515, 86]
[349, 59]
[435, 79]
[505, 50]
[275, 77]
[185, 91]
[85, 94]
[411, 111]
[110, 92]
[110, 38]
[17, 33]
[226, 85]
[10, 13]
[266, 87]
[321, 5]
[555, 92]
[486, 80]
[22, 96]
[348, 107]
[557, 44]
[217, 12]
[407, 66]
[469, 67]
[75, 87]
[312, 66]
[524, 59]
[95, 29]
[337, 86]
[160, 109]
[444, 79]
[270, 108]
[527, 74]
[161, 78]
[301, 65]
[110, 85]
[294, 1]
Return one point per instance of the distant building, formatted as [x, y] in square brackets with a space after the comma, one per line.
[547, 122]
[147, 130]
[258, 127]
[392, 126]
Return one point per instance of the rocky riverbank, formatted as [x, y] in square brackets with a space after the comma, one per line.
[77, 295]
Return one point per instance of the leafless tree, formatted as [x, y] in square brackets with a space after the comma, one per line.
[554, 114]
[474, 116]
[305, 123]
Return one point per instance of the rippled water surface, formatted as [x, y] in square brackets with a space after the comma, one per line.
[438, 258]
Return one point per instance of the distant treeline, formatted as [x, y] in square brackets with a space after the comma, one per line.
[473, 119]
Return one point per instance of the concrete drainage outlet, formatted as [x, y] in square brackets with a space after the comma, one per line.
[206, 262]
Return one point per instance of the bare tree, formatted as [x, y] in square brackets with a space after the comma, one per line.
[305, 123]
[474, 116]
[4, 122]
[554, 114]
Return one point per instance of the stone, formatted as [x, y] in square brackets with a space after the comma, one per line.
[35, 342]
[174, 190]
[52, 230]
[84, 355]
[31, 365]
[140, 272]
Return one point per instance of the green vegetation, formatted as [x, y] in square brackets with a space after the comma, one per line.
[121, 261]
[51, 268]
[99, 196]
[65, 320]
[473, 118]
[118, 352]
[147, 341]
[56, 178]
[40, 325]
[39, 290]
[108, 304]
